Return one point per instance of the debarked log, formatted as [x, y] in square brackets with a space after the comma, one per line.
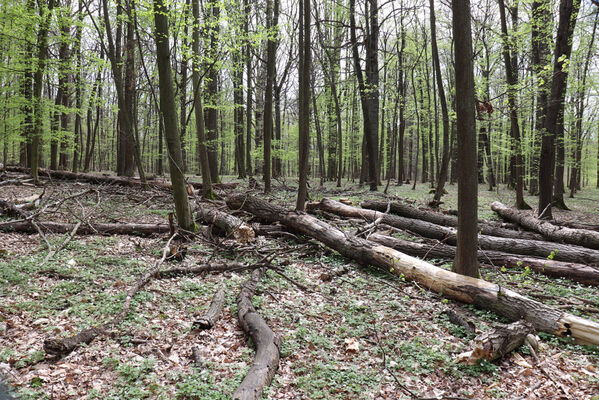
[229, 224]
[483, 294]
[581, 237]
[437, 218]
[577, 272]
[537, 248]
[267, 343]
[497, 343]
[85, 229]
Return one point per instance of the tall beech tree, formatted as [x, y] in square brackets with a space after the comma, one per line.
[304, 67]
[444, 167]
[568, 12]
[466, 261]
[368, 83]
[169, 115]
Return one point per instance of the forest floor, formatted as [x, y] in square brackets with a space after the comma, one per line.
[363, 335]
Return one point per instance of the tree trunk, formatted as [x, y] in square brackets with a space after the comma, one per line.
[86, 229]
[568, 12]
[484, 228]
[169, 114]
[304, 102]
[581, 237]
[443, 170]
[227, 224]
[271, 50]
[466, 262]
[197, 105]
[504, 302]
[433, 249]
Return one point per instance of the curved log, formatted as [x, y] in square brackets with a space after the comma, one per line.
[535, 248]
[581, 237]
[267, 343]
[437, 218]
[577, 272]
[469, 290]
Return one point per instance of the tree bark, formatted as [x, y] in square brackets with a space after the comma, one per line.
[465, 262]
[304, 103]
[576, 272]
[581, 237]
[568, 12]
[483, 294]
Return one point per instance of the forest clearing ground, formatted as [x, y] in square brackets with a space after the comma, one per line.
[333, 336]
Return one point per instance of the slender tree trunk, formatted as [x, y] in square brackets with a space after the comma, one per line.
[304, 102]
[271, 59]
[197, 104]
[169, 114]
[248, 111]
[211, 114]
[444, 167]
[512, 81]
[568, 12]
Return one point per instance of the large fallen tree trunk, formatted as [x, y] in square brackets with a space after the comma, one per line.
[535, 248]
[266, 341]
[112, 180]
[576, 272]
[85, 229]
[437, 218]
[229, 224]
[581, 237]
[481, 293]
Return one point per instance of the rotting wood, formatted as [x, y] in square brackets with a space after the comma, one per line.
[581, 237]
[7, 208]
[85, 229]
[497, 343]
[483, 294]
[113, 180]
[208, 319]
[437, 218]
[577, 272]
[229, 224]
[537, 248]
[267, 343]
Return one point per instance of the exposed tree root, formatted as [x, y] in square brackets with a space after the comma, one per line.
[266, 341]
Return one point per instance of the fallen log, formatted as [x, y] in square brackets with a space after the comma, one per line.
[229, 224]
[576, 272]
[85, 229]
[64, 346]
[484, 228]
[497, 343]
[217, 304]
[267, 343]
[537, 248]
[7, 208]
[581, 237]
[112, 180]
[483, 294]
